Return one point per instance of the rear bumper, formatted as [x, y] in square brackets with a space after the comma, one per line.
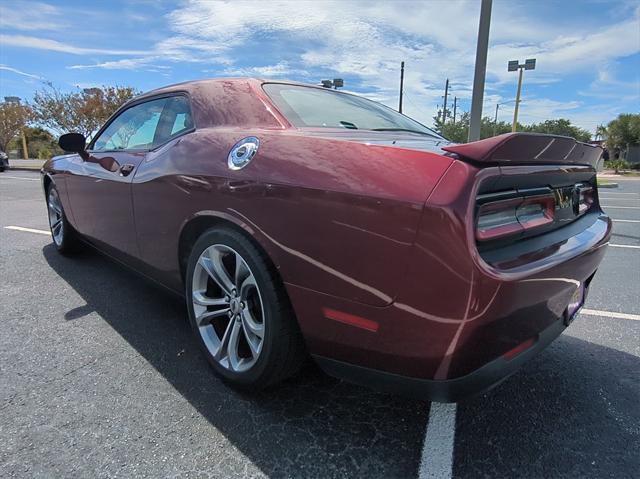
[452, 390]
[450, 338]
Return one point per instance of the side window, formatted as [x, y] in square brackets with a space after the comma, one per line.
[175, 120]
[180, 124]
[133, 129]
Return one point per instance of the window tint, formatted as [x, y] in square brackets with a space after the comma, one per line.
[316, 107]
[177, 115]
[133, 129]
[147, 125]
[180, 123]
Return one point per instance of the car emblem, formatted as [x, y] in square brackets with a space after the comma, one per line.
[575, 196]
[564, 198]
[243, 152]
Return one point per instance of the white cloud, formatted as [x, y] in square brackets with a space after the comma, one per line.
[364, 42]
[20, 72]
[34, 16]
[124, 64]
[54, 45]
[367, 40]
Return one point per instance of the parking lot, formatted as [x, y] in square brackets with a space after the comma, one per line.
[100, 377]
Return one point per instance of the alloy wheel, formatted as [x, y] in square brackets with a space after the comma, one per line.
[228, 308]
[56, 218]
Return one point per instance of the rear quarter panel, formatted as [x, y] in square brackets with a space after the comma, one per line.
[336, 217]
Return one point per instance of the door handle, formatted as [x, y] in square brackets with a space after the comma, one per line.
[126, 169]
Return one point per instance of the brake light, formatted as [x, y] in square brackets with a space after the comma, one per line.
[515, 215]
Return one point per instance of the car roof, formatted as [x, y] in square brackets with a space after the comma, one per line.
[196, 84]
[249, 106]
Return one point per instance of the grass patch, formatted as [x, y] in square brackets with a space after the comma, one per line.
[605, 183]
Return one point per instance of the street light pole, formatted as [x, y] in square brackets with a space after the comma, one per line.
[514, 127]
[529, 64]
[480, 71]
[495, 120]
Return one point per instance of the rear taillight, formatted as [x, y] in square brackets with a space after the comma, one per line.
[514, 215]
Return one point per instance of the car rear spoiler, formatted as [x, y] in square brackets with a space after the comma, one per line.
[528, 148]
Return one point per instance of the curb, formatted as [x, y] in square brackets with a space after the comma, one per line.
[24, 168]
[608, 185]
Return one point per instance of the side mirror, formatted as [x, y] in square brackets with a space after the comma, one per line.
[74, 142]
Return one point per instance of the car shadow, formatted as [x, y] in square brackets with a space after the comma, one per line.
[572, 412]
[314, 423]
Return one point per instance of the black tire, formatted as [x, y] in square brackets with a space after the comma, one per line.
[67, 243]
[283, 352]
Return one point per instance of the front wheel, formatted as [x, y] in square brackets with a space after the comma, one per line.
[64, 236]
[240, 312]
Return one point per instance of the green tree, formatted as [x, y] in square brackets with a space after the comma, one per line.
[41, 143]
[561, 126]
[13, 118]
[458, 132]
[83, 111]
[624, 131]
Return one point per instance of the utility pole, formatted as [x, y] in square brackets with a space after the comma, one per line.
[529, 64]
[444, 108]
[401, 85]
[495, 121]
[480, 70]
[455, 106]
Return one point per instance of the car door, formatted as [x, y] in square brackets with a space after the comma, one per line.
[102, 194]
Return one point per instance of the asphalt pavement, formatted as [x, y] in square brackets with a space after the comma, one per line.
[100, 377]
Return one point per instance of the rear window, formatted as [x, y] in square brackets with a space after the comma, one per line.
[324, 108]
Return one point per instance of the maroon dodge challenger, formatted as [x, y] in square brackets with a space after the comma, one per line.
[298, 220]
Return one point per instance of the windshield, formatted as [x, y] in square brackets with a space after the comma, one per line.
[324, 108]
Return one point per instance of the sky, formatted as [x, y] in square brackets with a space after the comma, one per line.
[587, 51]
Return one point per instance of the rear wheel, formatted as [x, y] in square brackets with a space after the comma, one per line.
[64, 236]
[240, 312]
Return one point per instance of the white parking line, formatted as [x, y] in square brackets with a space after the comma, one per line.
[623, 200]
[617, 193]
[622, 207]
[626, 221]
[624, 246]
[19, 178]
[610, 314]
[27, 230]
[437, 450]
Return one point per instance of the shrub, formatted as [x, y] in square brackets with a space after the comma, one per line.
[44, 154]
[617, 165]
